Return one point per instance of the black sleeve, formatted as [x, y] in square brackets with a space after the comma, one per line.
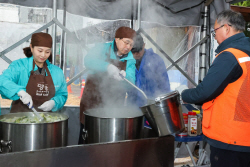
[224, 70]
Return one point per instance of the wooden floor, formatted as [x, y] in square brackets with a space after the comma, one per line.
[182, 162]
[179, 162]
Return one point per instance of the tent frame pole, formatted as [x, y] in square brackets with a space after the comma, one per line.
[166, 55]
[2, 54]
[139, 14]
[63, 46]
[202, 43]
[54, 11]
[52, 22]
[187, 52]
[203, 55]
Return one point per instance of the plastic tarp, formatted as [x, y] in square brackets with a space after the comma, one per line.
[9, 36]
[167, 12]
[92, 21]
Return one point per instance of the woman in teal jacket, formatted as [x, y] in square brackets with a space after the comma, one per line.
[34, 81]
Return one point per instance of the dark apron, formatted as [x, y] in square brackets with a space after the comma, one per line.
[100, 89]
[41, 88]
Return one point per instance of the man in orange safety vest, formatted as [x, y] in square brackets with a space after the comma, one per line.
[224, 93]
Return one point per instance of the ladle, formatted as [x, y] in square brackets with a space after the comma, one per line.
[41, 119]
[148, 100]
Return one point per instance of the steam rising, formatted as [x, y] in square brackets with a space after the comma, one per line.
[114, 100]
[157, 22]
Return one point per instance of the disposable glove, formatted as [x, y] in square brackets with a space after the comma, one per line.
[123, 73]
[115, 73]
[112, 70]
[181, 88]
[120, 76]
[47, 106]
[25, 98]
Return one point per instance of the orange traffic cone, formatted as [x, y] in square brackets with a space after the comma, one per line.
[69, 87]
[83, 85]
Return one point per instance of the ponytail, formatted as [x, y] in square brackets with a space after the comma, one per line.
[27, 52]
[50, 58]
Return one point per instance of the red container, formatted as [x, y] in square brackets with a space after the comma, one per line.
[185, 132]
[192, 124]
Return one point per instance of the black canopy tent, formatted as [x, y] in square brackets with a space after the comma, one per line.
[172, 12]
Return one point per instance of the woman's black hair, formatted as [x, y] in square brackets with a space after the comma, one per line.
[28, 53]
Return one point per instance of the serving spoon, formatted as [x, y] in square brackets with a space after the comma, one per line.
[149, 101]
[41, 119]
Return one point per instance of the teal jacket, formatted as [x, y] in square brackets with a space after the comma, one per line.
[95, 60]
[16, 77]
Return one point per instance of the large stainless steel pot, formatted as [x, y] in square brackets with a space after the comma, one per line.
[112, 124]
[32, 136]
[165, 114]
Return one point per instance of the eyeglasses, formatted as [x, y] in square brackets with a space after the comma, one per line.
[213, 32]
[128, 43]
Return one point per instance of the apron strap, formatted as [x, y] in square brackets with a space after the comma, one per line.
[44, 65]
[108, 54]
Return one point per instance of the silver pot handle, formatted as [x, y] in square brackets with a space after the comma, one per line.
[158, 103]
[85, 134]
[4, 143]
[158, 99]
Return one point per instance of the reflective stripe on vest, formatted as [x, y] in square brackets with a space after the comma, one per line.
[227, 117]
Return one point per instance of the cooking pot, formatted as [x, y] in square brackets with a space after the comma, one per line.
[112, 124]
[164, 114]
[32, 136]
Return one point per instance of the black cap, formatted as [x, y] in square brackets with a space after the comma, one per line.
[138, 44]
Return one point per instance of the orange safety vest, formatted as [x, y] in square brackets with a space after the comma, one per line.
[227, 117]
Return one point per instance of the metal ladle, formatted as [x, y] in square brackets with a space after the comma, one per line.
[41, 119]
[148, 100]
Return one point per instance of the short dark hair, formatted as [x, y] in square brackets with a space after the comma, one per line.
[235, 19]
[138, 44]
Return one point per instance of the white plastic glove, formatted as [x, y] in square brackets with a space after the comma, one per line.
[181, 88]
[47, 106]
[123, 73]
[112, 70]
[120, 76]
[25, 98]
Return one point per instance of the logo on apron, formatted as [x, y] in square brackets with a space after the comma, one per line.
[42, 89]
